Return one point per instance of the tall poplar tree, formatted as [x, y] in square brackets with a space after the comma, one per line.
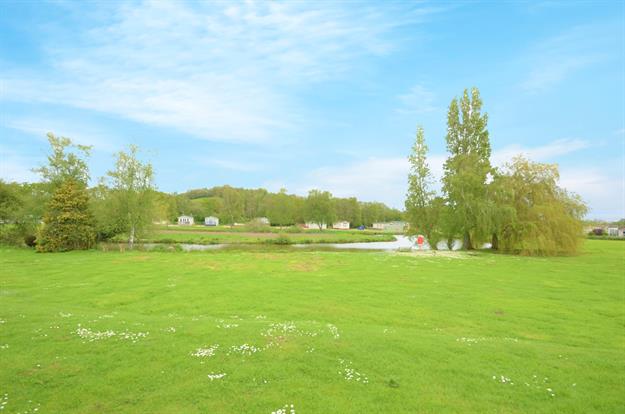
[419, 207]
[467, 169]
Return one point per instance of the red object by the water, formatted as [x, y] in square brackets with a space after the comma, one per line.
[420, 240]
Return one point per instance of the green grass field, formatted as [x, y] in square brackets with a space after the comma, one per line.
[329, 332]
[208, 235]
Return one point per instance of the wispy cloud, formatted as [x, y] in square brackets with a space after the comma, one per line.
[417, 100]
[217, 71]
[17, 167]
[77, 130]
[231, 165]
[547, 152]
[556, 58]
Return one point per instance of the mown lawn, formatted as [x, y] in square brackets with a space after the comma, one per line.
[329, 332]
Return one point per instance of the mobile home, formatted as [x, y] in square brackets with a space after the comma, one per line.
[185, 221]
[341, 225]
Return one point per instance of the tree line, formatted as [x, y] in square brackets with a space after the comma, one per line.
[232, 205]
[63, 213]
[518, 208]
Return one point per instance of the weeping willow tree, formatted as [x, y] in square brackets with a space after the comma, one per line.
[535, 216]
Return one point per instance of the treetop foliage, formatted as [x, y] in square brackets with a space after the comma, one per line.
[319, 208]
[468, 167]
[67, 161]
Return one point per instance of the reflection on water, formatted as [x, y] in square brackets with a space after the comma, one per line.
[401, 242]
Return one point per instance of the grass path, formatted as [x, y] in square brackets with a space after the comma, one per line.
[329, 332]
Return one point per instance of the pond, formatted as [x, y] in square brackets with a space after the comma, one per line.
[401, 242]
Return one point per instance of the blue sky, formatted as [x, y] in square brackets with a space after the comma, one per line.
[307, 95]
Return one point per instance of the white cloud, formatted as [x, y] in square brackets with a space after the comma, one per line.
[217, 71]
[375, 179]
[604, 194]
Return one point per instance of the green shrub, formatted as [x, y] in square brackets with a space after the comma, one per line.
[166, 241]
[68, 222]
[18, 234]
[594, 237]
[11, 234]
[256, 226]
[282, 239]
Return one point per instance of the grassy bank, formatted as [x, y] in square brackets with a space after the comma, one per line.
[259, 229]
[221, 237]
[336, 332]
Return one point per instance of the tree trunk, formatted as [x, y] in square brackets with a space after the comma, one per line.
[467, 241]
[433, 243]
[495, 242]
[131, 240]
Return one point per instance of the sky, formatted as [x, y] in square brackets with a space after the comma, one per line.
[303, 95]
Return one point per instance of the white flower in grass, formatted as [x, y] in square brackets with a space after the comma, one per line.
[287, 409]
[244, 349]
[205, 352]
[223, 324]
[503, 379]
[333, 330]
[351, 374]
